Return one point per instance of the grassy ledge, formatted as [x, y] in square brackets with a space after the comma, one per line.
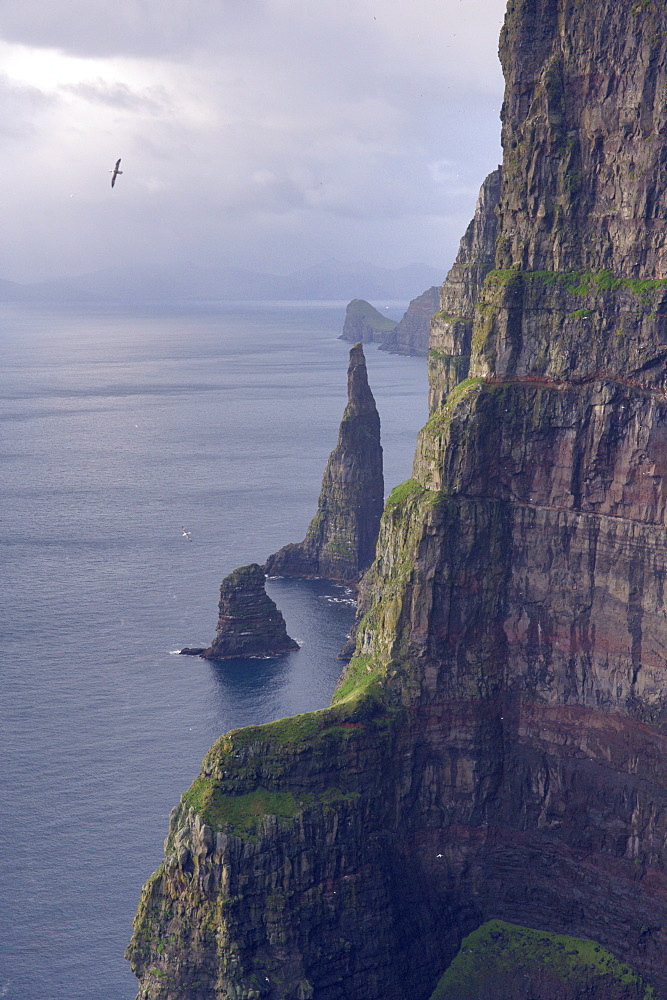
[579, 282]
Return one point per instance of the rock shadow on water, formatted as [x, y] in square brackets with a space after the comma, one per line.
[245, 679]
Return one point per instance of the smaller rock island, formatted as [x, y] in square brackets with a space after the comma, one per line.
[340, 541]
[249, 623]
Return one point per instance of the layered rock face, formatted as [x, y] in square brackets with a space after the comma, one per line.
[249, 623]
[365, 325]
[451, 327]
[411, 335]
[584, 118]
[497, 748]
[340, 541]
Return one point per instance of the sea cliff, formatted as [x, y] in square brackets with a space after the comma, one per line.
[497, 747]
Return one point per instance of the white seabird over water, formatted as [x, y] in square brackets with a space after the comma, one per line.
[114, 173]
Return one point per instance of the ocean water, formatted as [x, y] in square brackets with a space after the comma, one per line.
[116, 431]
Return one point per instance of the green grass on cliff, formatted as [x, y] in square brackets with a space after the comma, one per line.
[579, 282]
[293, 731]
[238, 813]
[439, 420]
[359, 674]
[449, 318]
[242, 814]
[401, 492]
[244, 773]
[509, 962]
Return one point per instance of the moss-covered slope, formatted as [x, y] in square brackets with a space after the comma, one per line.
[508, 962]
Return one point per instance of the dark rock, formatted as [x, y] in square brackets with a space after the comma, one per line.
[364, 324]
[249, 622]
[192, 650]
[411, 335]
[340, 541]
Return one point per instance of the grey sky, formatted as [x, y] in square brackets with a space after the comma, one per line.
[260, 133]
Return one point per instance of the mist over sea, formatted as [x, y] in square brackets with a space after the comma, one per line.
[117, 431]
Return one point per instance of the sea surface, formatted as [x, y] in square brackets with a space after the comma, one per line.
[116, 433]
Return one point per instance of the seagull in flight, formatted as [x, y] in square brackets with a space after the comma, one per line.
[114, 173]
[186, 535]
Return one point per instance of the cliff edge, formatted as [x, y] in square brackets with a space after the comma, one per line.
[496, 750]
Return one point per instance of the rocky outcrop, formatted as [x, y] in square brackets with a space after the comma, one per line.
[497, 747]
[411, 335]
[364, 324]
[340, 541]
[249, 623]
[451, 327]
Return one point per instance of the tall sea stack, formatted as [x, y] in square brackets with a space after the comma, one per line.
[340, 541]
[497, 748]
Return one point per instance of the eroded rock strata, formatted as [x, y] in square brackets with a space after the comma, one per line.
[340, 541]
[497, 748]
[249, 623]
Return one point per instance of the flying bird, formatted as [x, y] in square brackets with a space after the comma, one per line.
[186, 535]
[114, 173]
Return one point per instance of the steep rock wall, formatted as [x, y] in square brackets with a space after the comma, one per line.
[451, 327]
[584, 124]
[497, 748]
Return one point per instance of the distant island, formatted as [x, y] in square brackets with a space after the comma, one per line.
[363, 322]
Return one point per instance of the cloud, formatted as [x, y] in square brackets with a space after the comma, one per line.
[250, 131]
[22, 107]
[153, 101]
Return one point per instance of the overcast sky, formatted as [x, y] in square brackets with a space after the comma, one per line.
[268, 134]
